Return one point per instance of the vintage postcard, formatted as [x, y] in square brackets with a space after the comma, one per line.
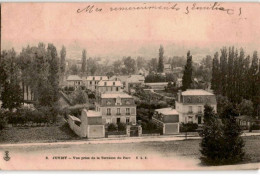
[130, 86]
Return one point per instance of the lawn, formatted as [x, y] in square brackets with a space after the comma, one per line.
[52, 133]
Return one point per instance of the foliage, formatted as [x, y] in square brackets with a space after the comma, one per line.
[129, 65]
[63, 59]
[79, 96]
[246, 107]
[160, 62]
[188, 127]
[221, 143]
[84, 61]
[234, 76]
[111, 127]
[11, 96]
[187, 75]
[153, 65]
[121, 126]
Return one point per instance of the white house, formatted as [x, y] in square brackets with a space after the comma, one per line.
[91, 82]
[116, 107]
[74, 81]
[190, 104]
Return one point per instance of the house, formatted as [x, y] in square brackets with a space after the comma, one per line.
[89, 125]
[129, 82]
[157, 85]
[108, 86]
[167, 119]
[167, 68]
[91, 82]
[74, 81]
[190, 105]
[116, 107]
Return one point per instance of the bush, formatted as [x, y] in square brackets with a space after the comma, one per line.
[3, 119]
[188, 127]
[79, 97]
[111, 127]
[255, 127]
[121, 127]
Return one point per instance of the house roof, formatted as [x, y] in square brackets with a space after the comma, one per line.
[91, 113]
[96, 78]
[167, 66]
[194, 92]
[120, 78]
[135, 78]
[110, 83]
[115, 95]
[74, 78]
[167, 111]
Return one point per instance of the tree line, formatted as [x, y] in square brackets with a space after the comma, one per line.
[236, 76]
[36, 70]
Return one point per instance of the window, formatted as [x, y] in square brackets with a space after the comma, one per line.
[90, 82]
[190, 109]
[105, 83]
[113, 83]
[117, 89]
[118, 120]
[199, 109]
[108, 111]
[190, 119]
[118, 111]
[127, 111]
[127, 120]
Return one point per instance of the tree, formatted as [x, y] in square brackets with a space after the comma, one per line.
[246, 107]
[117, 66]
[212, 138]
[74, 70]
[79, 96]
[53, 78]
[140, 62]
[223, 72]
[11, 96]
[129, 65]
[63, 59]
[152, 65]
[84, 61]
[187, 75]
[233, 146]
[160, 62]
[215, 74]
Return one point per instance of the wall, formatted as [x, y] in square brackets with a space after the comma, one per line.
[77, 129]
[96, 131]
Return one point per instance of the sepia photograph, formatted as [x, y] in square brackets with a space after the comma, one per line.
[130, 86]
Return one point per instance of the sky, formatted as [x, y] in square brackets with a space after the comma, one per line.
[114, 34]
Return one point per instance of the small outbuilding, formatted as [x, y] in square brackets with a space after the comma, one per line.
[167, 119]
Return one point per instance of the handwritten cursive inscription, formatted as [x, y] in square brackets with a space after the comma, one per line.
[167, 7]
[89, 9]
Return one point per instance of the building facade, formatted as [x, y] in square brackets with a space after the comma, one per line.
[116, 108]
[108, 86]
[190, 105]
[74, 81]
[167, 119]
[129, 82]
[91, 82]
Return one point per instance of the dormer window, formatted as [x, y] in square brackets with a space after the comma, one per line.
[105, 83]
[100, 78]
[93, 78]
[113, 83]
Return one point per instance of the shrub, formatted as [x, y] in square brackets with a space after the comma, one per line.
[111, 127]
[79, 97]
[121, 127]
[255, 127]
[188, 127]
[3, 119]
